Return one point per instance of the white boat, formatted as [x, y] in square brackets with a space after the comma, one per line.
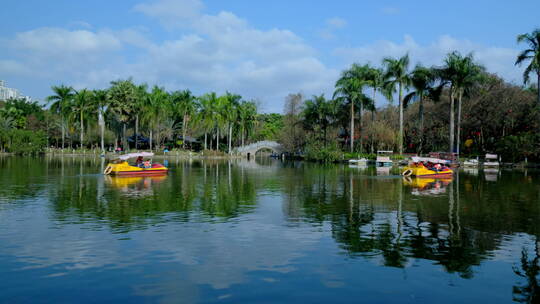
[471, 163]
[383, 158]
[359, 161]
[491, 161]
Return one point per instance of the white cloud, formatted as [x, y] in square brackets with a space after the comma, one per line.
[56, 41]
[496, 59]
[217, 52]
[172, 13]
[336, 22]
[332, 25]
[390, 10]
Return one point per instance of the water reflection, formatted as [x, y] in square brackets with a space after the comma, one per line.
[427, 186]
[235, 223]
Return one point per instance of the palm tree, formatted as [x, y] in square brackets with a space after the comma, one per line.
[317, 113]
[230, 112]
[184, 103]
[207, 114]
[123, 96]
[531, 54]
[423, 81]
[349, 91]
[247, 114]
[155, 111]
[63, 95]
[396, 74]
[82, 103]
[142, 97]
[101, 103]
[461, 72]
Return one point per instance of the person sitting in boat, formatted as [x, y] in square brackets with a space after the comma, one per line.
[437, 167]
[147, 164]
[139, 162]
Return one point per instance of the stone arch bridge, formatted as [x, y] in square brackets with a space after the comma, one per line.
[251, 149]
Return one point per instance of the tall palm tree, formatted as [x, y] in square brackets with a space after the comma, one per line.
[423, 81]
[101, 103]
[184, 103]
[230, 113]
[461, 72]
[318, 113]
[61, 100]
[123, 96]
[140, 102]
[247, 113]
[375, 77]
[531, 54]
[349, 91]
[82, 103]
[207, 114]
[155, 110]
[397, 75]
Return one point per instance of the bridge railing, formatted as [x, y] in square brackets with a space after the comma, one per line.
[257, 145]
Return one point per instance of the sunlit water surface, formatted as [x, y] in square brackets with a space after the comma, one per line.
[264, 231]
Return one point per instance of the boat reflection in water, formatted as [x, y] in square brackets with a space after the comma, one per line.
[491, 174]
[135, 185]
[427, 186]
[383, 171]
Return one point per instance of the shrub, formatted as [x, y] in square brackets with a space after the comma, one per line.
[24, 142]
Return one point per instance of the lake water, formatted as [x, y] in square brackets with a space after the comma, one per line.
[264, 232]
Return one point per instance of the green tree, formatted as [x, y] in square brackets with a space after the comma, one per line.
[184, 103]
[423, 81]
[532, 55]
[82, 104]
[155, 111]
[247, 112]
[61, 100]
[349, 91]
[397, 77]
[462, 73]
[123, 96]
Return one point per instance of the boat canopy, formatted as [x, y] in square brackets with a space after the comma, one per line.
[384, 152]
[491, 156]
[417, 159]
[134, 155]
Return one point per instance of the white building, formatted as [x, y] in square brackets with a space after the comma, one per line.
[10, 93]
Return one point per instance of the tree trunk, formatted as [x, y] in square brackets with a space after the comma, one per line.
[230, 138]
[151, 139]
[102, 131]
[451, 119]
[217, 140]
[63, 133]
[184, 122]
[400, 141]
[421, 118]
[373, 119]
[360, 127]
[124, 138]
[205, 140]
[458, 138]
[82, 130]
[538, 87]
[137, 132]
[352, 126]
[243, 134]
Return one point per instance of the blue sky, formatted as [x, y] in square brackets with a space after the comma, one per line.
[261, 50]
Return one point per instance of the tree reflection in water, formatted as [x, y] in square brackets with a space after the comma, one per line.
[385, 219]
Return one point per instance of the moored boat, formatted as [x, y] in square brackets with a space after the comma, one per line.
[383, 159]
[428, 167]
[120, 165]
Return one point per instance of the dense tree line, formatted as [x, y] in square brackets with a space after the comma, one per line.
[134, 116]
[457, 106]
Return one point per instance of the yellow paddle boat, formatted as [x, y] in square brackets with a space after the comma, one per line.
[120, 165]
[428, 167]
